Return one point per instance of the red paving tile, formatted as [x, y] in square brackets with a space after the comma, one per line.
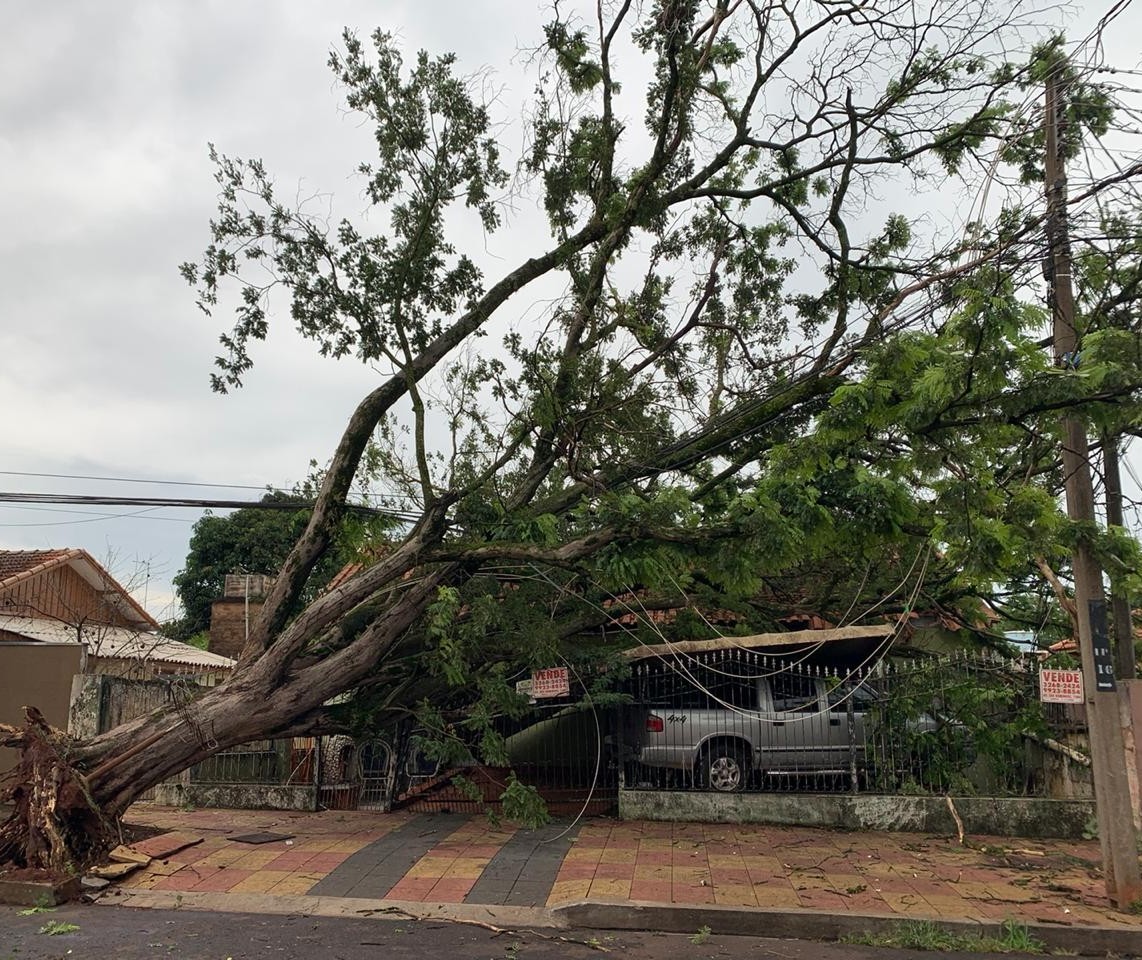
[685, 894]
[720, 875]
[652, 891]
[290, 861]
[576, 871]
[223, 880]
[181, 881]
[191, 854]
[449, 890]
[411, 888]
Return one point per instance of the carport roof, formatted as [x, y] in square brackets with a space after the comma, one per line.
[792, 641]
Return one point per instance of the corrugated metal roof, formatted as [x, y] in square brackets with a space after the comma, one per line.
[117, 642]
[763, 641]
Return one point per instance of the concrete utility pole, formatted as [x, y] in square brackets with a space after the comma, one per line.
[1119, 603]
[1108, 756]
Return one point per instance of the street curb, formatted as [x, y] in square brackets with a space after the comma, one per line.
[806, 924]
[321, 906]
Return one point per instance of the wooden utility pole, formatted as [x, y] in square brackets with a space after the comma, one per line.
[1124, 667]
[1108, 756]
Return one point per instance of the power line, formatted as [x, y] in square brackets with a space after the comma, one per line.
[154, 502]
[182, 483]
[165, 483]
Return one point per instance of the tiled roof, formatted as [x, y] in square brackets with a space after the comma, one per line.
[15, 562]
[21, 565]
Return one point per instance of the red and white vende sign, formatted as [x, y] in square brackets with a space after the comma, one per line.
[1061, 686]
[551, 682]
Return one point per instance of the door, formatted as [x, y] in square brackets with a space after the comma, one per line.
[795, 726]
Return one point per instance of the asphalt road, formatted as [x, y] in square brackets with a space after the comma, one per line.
[123, 933]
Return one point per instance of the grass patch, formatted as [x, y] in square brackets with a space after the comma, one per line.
[56, 928]
[925, 935]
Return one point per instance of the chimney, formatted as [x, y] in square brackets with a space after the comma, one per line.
[232, 614]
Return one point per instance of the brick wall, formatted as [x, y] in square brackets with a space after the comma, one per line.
[228, 625]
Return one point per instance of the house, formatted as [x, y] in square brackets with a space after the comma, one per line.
[65, 597]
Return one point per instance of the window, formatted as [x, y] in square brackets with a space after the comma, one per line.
[792, 691]
[864, 698]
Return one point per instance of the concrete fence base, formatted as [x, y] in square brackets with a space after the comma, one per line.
[243, 796]
[994, 816]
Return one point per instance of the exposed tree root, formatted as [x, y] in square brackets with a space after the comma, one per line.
[56, 824]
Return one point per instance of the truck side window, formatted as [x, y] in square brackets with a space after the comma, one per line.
[864, 698]
[794, 692]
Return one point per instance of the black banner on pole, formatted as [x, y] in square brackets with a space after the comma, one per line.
[1100, 642]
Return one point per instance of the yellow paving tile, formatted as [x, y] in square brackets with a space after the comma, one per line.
[564, 890]
[617, 855]
[846, 882]
[948, 906]
[159, 868]
[466, 868]
[775, 895]
[727, 860]
[292, 884]
[225, 856]
[583, 855]
[735, 896]
[690, 875]
[652, 871]
[602, 887]
[313, 846]
[1009, 893]
[763, 865]
[258, 883]
[255, 859]
[141, 881]
[910, 904]
[429, 867]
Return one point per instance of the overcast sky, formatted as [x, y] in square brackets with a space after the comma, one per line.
[105, 112]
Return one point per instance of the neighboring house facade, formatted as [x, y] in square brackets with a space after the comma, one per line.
[67, 597]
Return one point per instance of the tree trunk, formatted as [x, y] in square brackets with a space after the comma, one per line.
[68, 795]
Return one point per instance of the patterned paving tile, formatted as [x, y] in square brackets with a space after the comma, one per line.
[454, 858]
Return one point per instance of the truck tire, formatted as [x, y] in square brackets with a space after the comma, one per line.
[723, 767]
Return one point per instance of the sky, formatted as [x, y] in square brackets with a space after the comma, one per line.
[106, 110]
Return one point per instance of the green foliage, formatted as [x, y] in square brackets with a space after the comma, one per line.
[251, 540]
[522, 804]
[928, 935]
[43, 904]
[1086, 113]
[56, 928]
[725, 404]
[201, 640]
[976, 715]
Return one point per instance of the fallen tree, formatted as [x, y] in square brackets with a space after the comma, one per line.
[695, 411]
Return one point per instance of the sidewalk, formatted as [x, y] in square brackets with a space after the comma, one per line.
[457, 859]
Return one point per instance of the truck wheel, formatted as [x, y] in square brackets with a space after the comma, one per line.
[723, 767]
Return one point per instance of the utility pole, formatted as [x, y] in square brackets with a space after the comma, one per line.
[1108, 756]
[1124, 667]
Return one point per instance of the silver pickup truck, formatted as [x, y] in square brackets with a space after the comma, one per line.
[780, 724]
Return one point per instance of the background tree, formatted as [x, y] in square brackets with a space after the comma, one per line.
[709, 398]
[249, 540]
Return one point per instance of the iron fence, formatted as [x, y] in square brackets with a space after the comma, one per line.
[737, 720]
[287, 763]
[725, 721]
